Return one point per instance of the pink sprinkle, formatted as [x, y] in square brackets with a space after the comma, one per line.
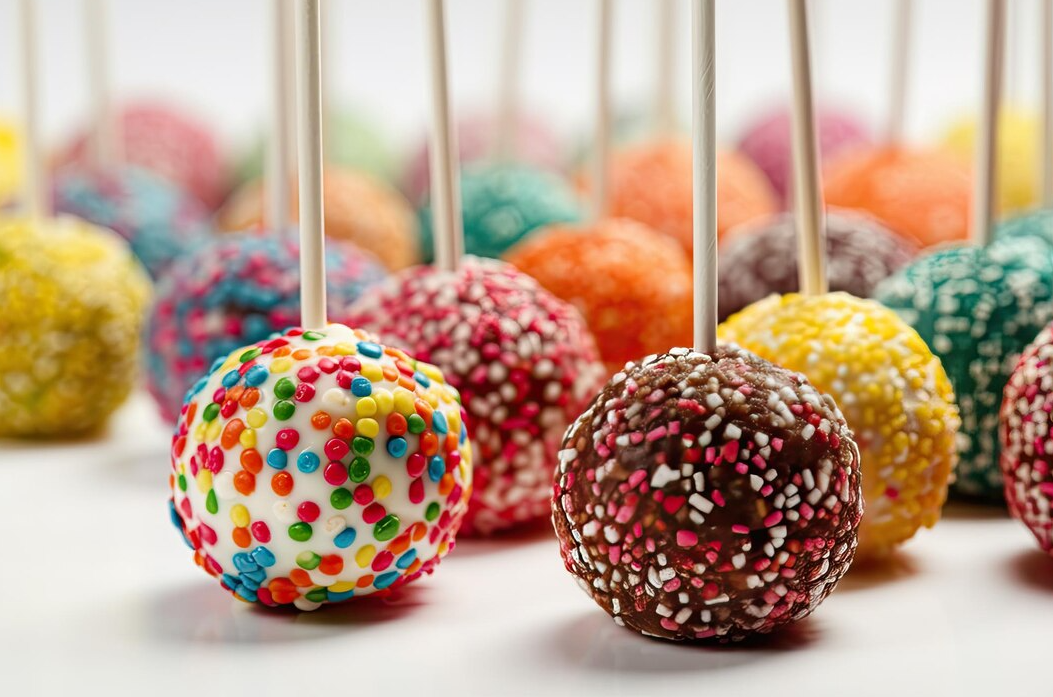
[740, 529]
[686, 538]
[777, 444]
[730, 451]
[773, 519]
[636, 477]
[656, 433]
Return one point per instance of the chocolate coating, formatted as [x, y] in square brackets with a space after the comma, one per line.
[759, 259]
[708, 496]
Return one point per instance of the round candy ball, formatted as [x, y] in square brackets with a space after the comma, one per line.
[353, 141]
[1026, 439]
[232, 291]
[923, 195]
[358, 209]
[892, 389]
[651, 183]
[10, 162]
[767, 142]
[170, 142]
[760, 258]
[160, 221]
[317, 466]
[1019, 157]
[72, 304]
[978, 308]
[535, 145]
[502, 204]
[708, 496]
[632, 285]
[523, 361]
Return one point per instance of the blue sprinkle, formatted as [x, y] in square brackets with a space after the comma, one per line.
[407, 559]
[277, 458]
[384, 580]
[436, 468]
[346, 538]
[422, 379]
[337, 597]
[397, 446]
[231, 379]
[248, 583]
[360, 387]
[258, 576]
[307, 462]
[243, 562]
[263, 556]
[368, 348]
[255, 376]
[247, 594]
[217, 364]
[230, 581]
[464, 435]
[438, 422]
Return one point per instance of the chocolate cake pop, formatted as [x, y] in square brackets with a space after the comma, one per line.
[760, 258]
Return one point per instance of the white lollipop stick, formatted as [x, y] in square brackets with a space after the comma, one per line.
[328, 52]
[446, 195]
[704, 138]
[1047, 103]
[103, 142]
[601, 154]
[987, 143]
[278, 147]
[901, 61]
[37, 203]
[289, 75]
[312, 220]
[811, 228]
[508, 86]
[665, 90]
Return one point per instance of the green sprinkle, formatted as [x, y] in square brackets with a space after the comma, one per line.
[313, 336]
[250, 354]
[386, 528]
[318, 595]
[359, 469]
[182, 482]
[416, 424]
[432, 512]
[308, 560]
[211, 412]
[284, 388]
[211, 504]
[362, 445]
[283, 410]
[341, 498]
[301, 532]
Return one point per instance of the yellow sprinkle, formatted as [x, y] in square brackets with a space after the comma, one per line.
[239, 515]
[453, 419]
[385, 402]
[247, 438]
[342, 586]
[365, 555]
[204, 480]
[404, 401]
[367, 406]
[345, 349]
[431, 371]
[281, 365]
[368, 428]
[215, 426]
[256, 417]
[199, 430]
[381, 487]
[372, 372]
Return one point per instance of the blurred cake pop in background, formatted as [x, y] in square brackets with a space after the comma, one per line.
[358, 208]
[10, 161]
[760, 258]
[766, 141]
[72, 304]
[503, 203]
[920, 194]
[158, 219]
[235, 290]
[168, 141]
[1019, 156]
[632, 285]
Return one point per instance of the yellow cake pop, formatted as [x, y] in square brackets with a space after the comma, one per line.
[10, 161]
[72, 302]
[891, 388]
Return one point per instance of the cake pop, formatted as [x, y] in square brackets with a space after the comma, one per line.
[760, 258]
[232, 291]
[1025, 439]
[1019, 156]
[502, 204]
[72, 299]
[923, 195]
[632, 285]
[767, 142]
[358, 209]
[978, 306]
[522, 360]
[10, 161]
[651, 182]
[158, 220]
[168, 141]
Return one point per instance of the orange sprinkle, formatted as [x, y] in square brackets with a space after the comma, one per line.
[424, 409]
[446, 484]
[407, 383]
[234, 394]
[365, 581]
[241, 537]
[321, 420]
[245, 482]
[400, 544]
[282, 483]
[429, 443]
[325, 351]
[331, 564]
[419, 530]
[282, 351]
[451, 443]
[301, 578]
[301, 354]
[390, 373]
[249, 398]
[251, 460]
[414, 567]
[344, 429]
[190, 412]
[231, 432]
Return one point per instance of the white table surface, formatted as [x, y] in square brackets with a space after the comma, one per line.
[98, 595]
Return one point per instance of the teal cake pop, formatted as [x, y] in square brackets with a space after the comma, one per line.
[501, 204]
[1038, 224]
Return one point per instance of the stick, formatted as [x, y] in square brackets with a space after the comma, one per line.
[289, 75]
[665, 91]
[36, 204]
[103, 142]
[312, 221]
[1047, 103]
[704, 140]
[811, 230]
[987, 142]
[901, 61]
[446, 195]
[278, 146]
[328, 55]
[601, 155]
[508, 87]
